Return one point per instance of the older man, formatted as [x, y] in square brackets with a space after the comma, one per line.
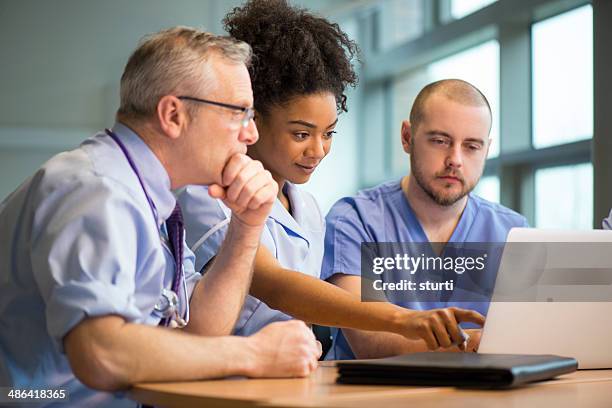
[92, 260]
[447, 139]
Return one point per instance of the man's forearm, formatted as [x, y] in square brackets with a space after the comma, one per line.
[219, 296]
[108, 354]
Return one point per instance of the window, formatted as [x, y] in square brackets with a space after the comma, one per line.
[478, 65]
[564, 197]
[488, 188]
[400, 21]
[562, 53]
[462, 8]
[542, 97]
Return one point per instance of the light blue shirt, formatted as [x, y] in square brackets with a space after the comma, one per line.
[79, 240]
[607, 222]
[296, 240]
[382, 214]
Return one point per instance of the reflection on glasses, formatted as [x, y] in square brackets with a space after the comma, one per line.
[247, 113]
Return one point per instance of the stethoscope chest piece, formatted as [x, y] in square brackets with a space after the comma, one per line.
[167, 305]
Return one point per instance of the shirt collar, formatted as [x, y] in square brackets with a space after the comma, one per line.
[298, 204]
[154, 176]
[291, 222]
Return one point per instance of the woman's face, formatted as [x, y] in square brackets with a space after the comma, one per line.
[295, 137]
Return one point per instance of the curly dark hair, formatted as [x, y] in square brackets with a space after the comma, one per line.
[294, 52]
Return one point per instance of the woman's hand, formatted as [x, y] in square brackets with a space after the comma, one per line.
[439, 328]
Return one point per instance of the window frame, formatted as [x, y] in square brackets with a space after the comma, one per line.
[510, 23]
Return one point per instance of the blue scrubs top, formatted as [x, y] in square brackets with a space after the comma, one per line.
[382, 214]
[607, 222]
[79, 240]
[296, 240]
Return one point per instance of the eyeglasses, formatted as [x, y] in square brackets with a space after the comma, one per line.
[247, 113]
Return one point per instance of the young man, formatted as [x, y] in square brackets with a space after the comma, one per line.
[93, 262]
[447, 139]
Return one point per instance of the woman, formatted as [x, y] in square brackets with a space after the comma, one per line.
[302, 65]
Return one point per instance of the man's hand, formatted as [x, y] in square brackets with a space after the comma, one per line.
[284, 349]
[439, 327]
[247, 189]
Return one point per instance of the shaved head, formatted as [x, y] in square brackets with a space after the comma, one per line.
[455, 90]
[447, 138]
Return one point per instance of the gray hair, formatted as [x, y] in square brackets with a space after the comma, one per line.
[172, 62]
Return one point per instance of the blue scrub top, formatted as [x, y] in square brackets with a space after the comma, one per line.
[296, 240]
[607, 222]
[79, 240]
[383, 214]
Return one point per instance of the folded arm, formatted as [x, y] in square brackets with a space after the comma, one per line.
[107, 353]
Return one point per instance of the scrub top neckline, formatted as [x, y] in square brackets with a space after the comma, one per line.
[461, 229]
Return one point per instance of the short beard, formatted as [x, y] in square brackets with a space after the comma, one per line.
[443, 201]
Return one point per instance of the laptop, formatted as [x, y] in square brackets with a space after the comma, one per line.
[553, 295]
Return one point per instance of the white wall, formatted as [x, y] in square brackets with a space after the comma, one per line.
[60, 66]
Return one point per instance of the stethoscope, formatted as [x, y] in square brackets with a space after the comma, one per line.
[167, 306]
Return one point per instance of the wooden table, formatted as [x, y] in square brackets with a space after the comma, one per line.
[591, 388]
